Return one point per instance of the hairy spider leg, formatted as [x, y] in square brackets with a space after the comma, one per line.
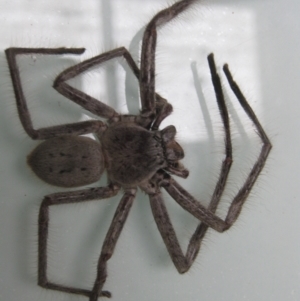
[70, 197]
[79, 128]
[147, 75]
[196, 239]
[163, 108]
[110, 241]
[190, 204]
[84, 100]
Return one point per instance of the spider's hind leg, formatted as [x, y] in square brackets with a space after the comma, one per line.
[78, 128]
[70, 197]
[110, 241]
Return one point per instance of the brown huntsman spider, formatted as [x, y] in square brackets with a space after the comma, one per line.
[133, 151]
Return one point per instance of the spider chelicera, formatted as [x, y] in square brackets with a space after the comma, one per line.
[132, 150]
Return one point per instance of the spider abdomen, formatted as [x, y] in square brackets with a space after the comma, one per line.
[132, 153]
[67, 161]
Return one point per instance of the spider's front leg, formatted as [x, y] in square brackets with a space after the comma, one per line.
[147, 73]
[184, 199]
[207, 216]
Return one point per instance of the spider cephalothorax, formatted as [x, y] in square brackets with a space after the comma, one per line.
[133, 151]
[134, 154]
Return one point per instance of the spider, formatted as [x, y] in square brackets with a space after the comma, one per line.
[132, 150]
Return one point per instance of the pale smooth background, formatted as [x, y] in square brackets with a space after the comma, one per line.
[258, 259]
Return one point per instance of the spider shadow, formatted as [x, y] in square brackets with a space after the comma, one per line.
[132, 90]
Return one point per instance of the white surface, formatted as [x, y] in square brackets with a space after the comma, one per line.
[258, 259]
